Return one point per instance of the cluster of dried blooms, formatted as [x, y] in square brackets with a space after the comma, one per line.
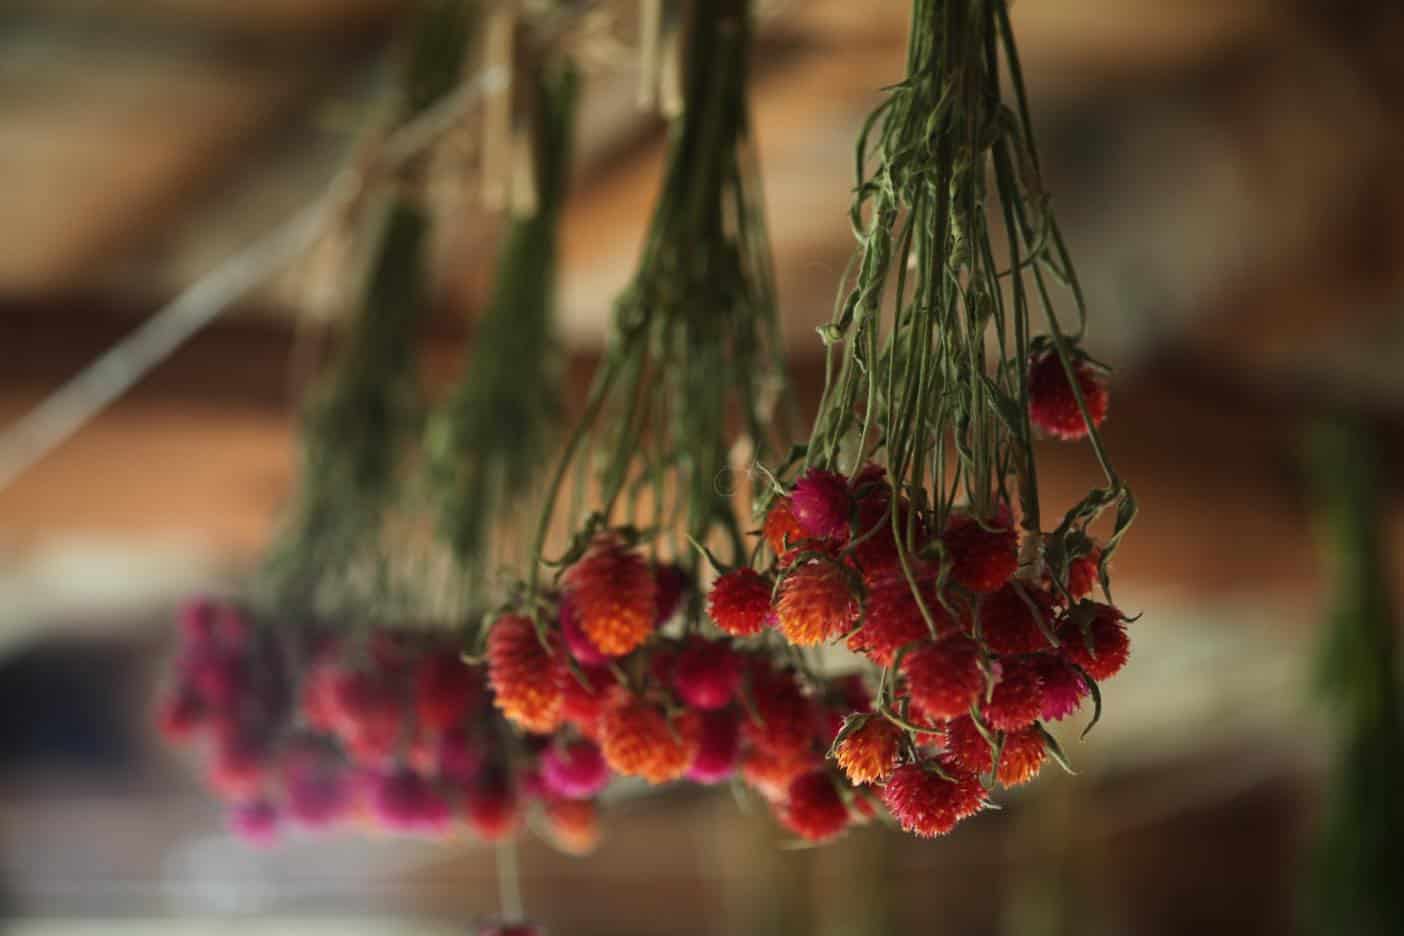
[393, 732]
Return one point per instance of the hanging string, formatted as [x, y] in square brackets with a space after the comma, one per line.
[76, 403]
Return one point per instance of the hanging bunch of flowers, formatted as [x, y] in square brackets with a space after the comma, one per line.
[913, 533]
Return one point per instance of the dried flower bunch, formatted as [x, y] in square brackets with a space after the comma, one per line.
[907, 532]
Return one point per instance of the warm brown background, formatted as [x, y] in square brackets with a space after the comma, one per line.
[1230, 179]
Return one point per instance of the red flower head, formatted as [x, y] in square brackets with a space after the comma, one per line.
[740, 602]
[445, 689]
[576, 641]
[892, 618]
[815, 604]
[927, 804]
[813, 808]
[1008, 623]
[574, 770]
[966, 747]
[781, 718]
[706, 674]
[1063, 688]
[1017, 699]
[639, 740]
[671, 582]
[782, 530]
[582, 705]
[613, 590]
[255, 821]
[574, 825]
[870, 751]
[982, 557]
[718, 747]
[490, 806]
[820, 503]
[1102, 648]
[403, 801]
[523, 675]
[944, 677]
[1052, 404]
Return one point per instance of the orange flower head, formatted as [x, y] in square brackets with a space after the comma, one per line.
[740, 602]
[574, 825]
[870, 751]
[523, 675]
[944, 677]
[1022, 757]
[815, 604]
[927, 804]
[639, 740]
[615, 593]
[782, 529]
[813, 808]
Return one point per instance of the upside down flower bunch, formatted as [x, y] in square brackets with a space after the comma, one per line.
[391, 732]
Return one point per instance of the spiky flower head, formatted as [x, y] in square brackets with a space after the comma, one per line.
[1017, 699]
[984, 552]
[782, 529]
[1094, 637]
[1063, 687]
[613, 590]
[640, 740]
[740, 602]
[869, 751]
[523, 675]
[892, 618]
[821, 503]
[1052, 404]
[780, 718]
[928, 804]
[813, 808]
[1013, 619]
[815, 604]
[944, 676]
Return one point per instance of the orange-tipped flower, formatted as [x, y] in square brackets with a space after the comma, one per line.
[944, 677]
[892, 618]
[870, 751]
[740, 602]
[770, 773]
[815, 604]
[615, 593]
[525, 684]
[639, 740]
[1019, 762]
[574, 825]
[782, 529]
[927, 804]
